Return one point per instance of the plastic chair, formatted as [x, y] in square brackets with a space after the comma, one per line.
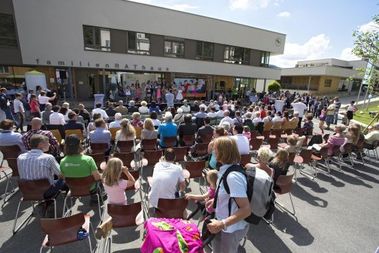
[125, 146]
[284, 185]
[171, 208]
[81, 187]
[307, 157]
[65, 230]
[149, 144]
[32, 190]
[180, 153]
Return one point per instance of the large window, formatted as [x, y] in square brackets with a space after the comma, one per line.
[7, 31]
[265, 59]
[138, 43]
[96, 38]
[236, 55]
[204, 50]
[174, 48]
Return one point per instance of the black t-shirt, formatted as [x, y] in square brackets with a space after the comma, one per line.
[187, 129]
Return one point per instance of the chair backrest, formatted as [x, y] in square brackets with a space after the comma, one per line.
[99, 158]
[99, 147]
[201, 149]
[273, 142]
[284, 183]
[195, 168]
[277, 132]
[170, 141]
[287, 126]
[60, 128]
[180, 153]
[113, 132]
[267, 126]
[306, 154]
[291, 157]
[207, 138]
[80, 186]
[254, 133]
[293, 124]
[277, 125]
[62, 230]
[149, 144]
[126, 158]
[33, 189]
[188, 139]
[10, 151]
[256, 143]
[245, 159]
[57, 135]
[124, 215]
[348, 148]
[125, 146]
[152, 156]
[138, 132]
[171, 208]
[76, 132]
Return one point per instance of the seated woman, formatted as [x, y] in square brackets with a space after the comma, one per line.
[294, 143]
[148, 131]
[179, 116]
[263, 158]
[279, 164]
[91, 125]
[338, 139]
[352, 135]
[308, 125]
[126, 133]
[143, 108]
[136, 120]
[154, 118]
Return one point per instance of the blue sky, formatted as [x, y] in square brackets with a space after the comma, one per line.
[315, 29]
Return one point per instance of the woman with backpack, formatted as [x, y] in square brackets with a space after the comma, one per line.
[229, 226]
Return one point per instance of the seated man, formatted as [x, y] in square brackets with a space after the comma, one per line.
[72, 122]
[8, 137]
[36, 129]
[186, 128]
[56, 118]
[36, 164]
[226, 118]
[167, 129]
[100, 134]
[243, 144]
[102, 112]
[186, 107]
[116, 122]
[167, 178]
[204, 131]
[121, 108]
[373, 135]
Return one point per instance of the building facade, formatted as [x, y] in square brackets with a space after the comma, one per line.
[323, 76]
[84, 45]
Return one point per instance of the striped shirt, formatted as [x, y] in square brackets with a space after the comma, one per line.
[54, 145]
[35, 164]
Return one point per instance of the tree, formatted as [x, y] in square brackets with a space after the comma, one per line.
[274, 86]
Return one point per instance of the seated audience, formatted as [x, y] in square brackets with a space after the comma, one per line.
[56, 118]
[100, 134]
[186, 128]
[212, 114]
[8, 137]
[218, 132]
[136, 120]
[167, 129]
[154, 118]
[167, 179]
[338, 139]
[102, 112]
[116, 122]
[36, 125]
[308, 125]
[114, 184]
[120, 108]
[238, 118]
[154, 108]
[36, 164]
[186, 108]
[279, 164]
[204, 131]
[373, 135]
[45, 115]
[294, 143]
[132, 107]
[143, 108]
[91, 125]
[248, 121]
[72, 122]
[247, 132]
[226, 118]
[126, 133]
[277, 118]
[84, 113]
[263, 158]
[243, 144]
[179, 116]
[110, 110]
[148, 131]
[257, 119]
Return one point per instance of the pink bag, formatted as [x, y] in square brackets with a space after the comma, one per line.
[171, 236]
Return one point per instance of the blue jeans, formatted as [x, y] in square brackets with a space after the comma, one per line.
[8, 113]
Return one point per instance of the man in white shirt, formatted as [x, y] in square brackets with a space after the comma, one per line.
[300, 108]
[241, 140]
[116, 122]
[186, 107]
[277, 117]
[56, 118]
[167, 179]
[43, 99]
[279, 104]
[103, 113]
[18, 108]
[226, 119]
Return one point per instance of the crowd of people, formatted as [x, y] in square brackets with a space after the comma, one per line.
[228, 127]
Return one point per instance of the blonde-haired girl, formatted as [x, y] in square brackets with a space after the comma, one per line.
[114, 184]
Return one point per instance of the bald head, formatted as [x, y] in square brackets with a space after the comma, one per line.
[36, 123]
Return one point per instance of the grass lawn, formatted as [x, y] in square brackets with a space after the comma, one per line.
[362, 115]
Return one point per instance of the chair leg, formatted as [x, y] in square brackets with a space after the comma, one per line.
[15, 230]
[99, 205]
[64, 206]
[293, 212]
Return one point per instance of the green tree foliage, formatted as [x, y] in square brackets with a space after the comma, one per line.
[274, 86]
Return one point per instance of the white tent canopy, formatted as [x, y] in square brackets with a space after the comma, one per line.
[34, 78]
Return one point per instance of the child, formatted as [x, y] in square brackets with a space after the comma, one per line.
[246, 132]
[308, 125]
[114, 184]
[322, 119]
[212, 181]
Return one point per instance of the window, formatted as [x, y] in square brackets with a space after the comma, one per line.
[4, 69]
[174, 48]
[138, 43]
[328, 83]
[204, 50]
[7, 31]
[96, 38]
[265, 59]
[236, 55]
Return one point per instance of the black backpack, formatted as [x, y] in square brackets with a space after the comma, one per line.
[260, 192]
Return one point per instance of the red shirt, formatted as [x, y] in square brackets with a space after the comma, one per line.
[263, 114]
[34, 106]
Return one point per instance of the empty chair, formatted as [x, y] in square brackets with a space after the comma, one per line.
[195, 168]
[284, 185]
[180, 153]
[256, 143]
[306, 158]
[32, 190]
[65, 230]
[171, 208]
[99, 158]
[200, 150]
[124, 215]
[277, 132]
[57, 135]
[125, 146]
[149, 144]
[205, 138]
[126, 158]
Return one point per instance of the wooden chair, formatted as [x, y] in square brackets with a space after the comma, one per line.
[267, 126]
[149, 144]
[57, 136]
[277, 133]
[99, 147]
[10, 154]
[113, 132]
[287, 127]
[126, 158]
[125, 146]
[81, 187]
[195, 168]
[171, 208]
[256, 143]
[273, 141]
[77, 132]
[124, 215]
[205, 138]
[245, 159]
[180, 153]
[170, 142]
[65, 230]
[284, 185]
[99, 158]
[138, 132]
[276, 125]
[33, 191]
[201, 150]
[188, 140]
[152, 156]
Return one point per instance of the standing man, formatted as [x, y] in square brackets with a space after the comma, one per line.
[300, 108]
[337, 106]
[43, 99]
[18, 108]
[170, 98]
[4, 104]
